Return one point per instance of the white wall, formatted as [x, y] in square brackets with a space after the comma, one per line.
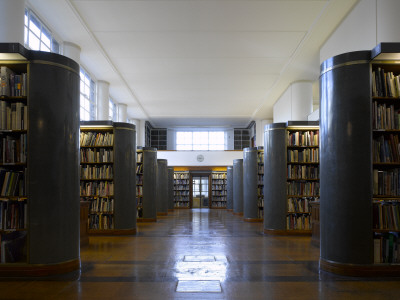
[368, 24]
[189, 158]
[295, 104]
[314, 116]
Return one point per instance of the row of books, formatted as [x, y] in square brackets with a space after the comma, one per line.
[181, 187]
[218, 193]
[139, 169]
[386, 182]
[13, 215]
[303, 138]
[139, 179]
[219, 181]
[13, 247]
[182, 203]
[96, 172]
[90, 139]
[218, 187]
[100, 204]
[218, 175]
[385, 117]
[139, 190]
[260, 203]
[97, 188]
[260, 169]
[12, 183]
[181, 181]
[102, 222]
[302, 172]
[298, 222]
[386, 149]
[11, 84]
[303, 156]
[96, 155]
[260, 157]
[139, 157]
[13, 149]
[181, 175]
[299, 205]
[181, 193]
[386, 215]
[385, 84]
[303, 188]
[13, 116]
[387, 248]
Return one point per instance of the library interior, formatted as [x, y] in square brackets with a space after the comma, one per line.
[204, 149]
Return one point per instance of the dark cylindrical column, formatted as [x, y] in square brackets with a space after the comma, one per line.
[124, 176]
[238, 186]
[149, 184]
[162, 187]
[250, 184]
[346, 160]
[170, 188]
[275, 189]
[53, 159]
[229, 188]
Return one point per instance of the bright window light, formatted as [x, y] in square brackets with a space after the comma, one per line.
[200, 140]
[37, 36]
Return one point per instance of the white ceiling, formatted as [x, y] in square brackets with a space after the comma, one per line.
[196, 62]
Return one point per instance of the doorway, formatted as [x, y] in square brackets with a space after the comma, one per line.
[200, 191]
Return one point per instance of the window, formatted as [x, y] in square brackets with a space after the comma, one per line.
[200, 140]
[87, 100]
[112, 115]
[37, 36]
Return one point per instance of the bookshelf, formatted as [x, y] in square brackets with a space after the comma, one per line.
[291, 178]
[260, 182]
[218, 189]
[162, 187]
[146, 171]
[182, 189]
[238, 186]
[359, 158]
[250, 184]
[40, 218]
[170, 186]
[108, 180]
[229, 188]
[139, 182]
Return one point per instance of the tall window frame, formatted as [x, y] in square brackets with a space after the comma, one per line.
[87, 96]
[37, 36]
[200, 140]
[112, 110]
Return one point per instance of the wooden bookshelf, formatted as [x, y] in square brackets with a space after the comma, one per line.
[218, 189]
[291, 176]
[361, 154]
[107, 151]
[39, 228]
[182, 189]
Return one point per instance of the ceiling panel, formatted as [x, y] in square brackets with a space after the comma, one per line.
[271, 65]
[199, 15]
[138, 45]
[197, 62]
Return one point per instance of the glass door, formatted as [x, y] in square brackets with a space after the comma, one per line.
[200, 191]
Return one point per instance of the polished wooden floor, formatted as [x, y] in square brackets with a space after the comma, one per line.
[212, 246]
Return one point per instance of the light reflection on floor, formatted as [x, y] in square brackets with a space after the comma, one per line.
[199, 264]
